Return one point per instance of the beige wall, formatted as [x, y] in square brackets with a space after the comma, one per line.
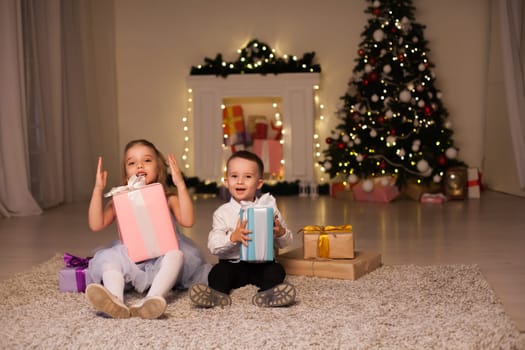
[158, 41]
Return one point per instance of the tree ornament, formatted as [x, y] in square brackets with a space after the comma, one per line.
[378, 35]
[327, 165]
[352, 178]
[381, 119]
[387, 69]
[368, 68]
[374, 98]
[451, 153]
[372, 61]
[442, 160]
[368, 185]
[436, 178]
[376, 4]
[421, 67]
[357, 141]
[373, 133]
[391, 141]
[345, 138]
[329, 140]
[341, 145]
[422, 166]
[361, 52]
[389, 114]
[359, 157]
[428, 110]
[373, 76]
[421, 104]
[405, 96]
[382, 165]
[376, 11]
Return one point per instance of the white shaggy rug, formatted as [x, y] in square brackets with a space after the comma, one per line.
[394, 307]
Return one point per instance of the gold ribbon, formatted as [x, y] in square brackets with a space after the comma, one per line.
[318, 229]
[323, 242]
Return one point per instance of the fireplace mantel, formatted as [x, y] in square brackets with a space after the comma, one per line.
[296, 90]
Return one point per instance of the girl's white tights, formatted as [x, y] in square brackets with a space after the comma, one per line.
[114, 282]
[170, 268]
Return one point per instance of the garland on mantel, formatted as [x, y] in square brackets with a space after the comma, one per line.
[257, 58]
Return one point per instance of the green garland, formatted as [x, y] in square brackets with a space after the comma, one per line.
[257, 58]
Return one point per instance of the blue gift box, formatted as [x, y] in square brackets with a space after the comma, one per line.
[260, 222]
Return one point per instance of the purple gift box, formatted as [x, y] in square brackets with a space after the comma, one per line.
[74, 277]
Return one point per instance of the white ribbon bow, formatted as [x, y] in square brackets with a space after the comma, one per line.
[266, 200]
[134, 182]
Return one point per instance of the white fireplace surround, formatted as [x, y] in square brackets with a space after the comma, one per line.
[296, 91]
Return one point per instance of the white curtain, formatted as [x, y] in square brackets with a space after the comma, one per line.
[15, 186]
[513, 49]
[67, 109]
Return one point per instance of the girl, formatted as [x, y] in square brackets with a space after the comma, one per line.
[113, 267]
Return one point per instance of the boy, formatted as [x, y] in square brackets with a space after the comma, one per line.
[243, 179]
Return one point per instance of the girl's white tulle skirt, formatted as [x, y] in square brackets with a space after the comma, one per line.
[140, 275]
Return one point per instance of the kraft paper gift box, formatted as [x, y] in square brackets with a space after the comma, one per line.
[74, 277]
[260, 221]
[348, 269]
[384, 190]
[144, 222]
[328, 242]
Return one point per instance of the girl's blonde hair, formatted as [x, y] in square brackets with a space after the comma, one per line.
[162, 164]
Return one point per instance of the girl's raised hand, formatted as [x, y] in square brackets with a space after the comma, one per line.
[101, 177]
[176, 174]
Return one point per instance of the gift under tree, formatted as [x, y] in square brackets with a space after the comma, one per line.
[393, 121]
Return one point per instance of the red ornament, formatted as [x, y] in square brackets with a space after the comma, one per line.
[393, 132]
[329, 140]
[382, 165]
[365, 82]
[401, 57]
[428, 110]
[372, 61]
[376, 11]
[381, 119]
[442, 160]
[341, 145]
[361, 52]
[373, 76]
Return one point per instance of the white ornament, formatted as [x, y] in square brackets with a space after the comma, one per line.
[401, 152]
[422, 166]
[368, 185]
[374, 98]
[357, 141]
[327, 165]
[385, 181]
[350, 144]
[415, 39]
[415, 147]
[421, 67]
[345, 138]
[405, 96]
[387, 69]
[421, 104]
[359, 157]
[391, 141]
[352, 178]
[389, 114]
[373, 133]
[378, 35]
[436, 178]
[376, 4]
[368, 68]
[451, 153]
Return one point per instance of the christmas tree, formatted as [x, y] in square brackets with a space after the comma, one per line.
[393, 122]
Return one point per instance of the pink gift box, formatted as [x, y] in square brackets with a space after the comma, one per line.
[433, 198]
[380, 193]
[144, 222]
[271, 153]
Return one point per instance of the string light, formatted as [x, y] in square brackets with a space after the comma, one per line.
[186, 130]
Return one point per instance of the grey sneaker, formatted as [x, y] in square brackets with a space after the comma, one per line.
[203, 296]
[104, 301]
[281, 295]
[149, 308]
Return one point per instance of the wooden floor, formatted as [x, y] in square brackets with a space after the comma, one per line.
[489, 232]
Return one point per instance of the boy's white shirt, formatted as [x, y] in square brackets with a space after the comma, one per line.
[225, 220]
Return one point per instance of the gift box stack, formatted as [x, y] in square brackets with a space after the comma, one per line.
[266, 137]
[74, 277]
[329, 252]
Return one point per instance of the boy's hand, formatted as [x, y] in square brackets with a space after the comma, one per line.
[278, 229]
[241, 234]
